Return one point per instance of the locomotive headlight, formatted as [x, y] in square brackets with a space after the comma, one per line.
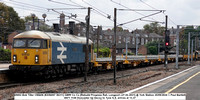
[36, 58]
[14, 58]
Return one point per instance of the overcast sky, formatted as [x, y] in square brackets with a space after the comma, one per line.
[180, 12]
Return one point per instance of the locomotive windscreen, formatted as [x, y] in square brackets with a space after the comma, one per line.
[30, 43]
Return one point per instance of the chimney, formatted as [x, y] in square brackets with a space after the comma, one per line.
[71, 27]
[62, 22]
[56, 27]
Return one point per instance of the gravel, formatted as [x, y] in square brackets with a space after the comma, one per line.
[102, 83]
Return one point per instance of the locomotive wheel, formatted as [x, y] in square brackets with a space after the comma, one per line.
[53, 75]
[47, 73]
[64, 70]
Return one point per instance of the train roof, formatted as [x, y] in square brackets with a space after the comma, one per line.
[54, 36]
[32, 34]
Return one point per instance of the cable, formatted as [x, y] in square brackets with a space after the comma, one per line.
[65, 15]
[76, 3]
[98, 10]
[22, 5]
[28, 4]
[66, 8]
[147, 4]
[152, 21]
[156, 9]
[139, 18]
[129, 8]
[31, 10]
[63, 3]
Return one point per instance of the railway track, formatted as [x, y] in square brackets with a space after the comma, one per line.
[140, 69]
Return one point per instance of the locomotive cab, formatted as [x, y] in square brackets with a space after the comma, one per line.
[30, 49]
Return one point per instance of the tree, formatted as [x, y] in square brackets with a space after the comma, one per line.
[118, 29]
[29, 18]
[154, 28]
[9, 21]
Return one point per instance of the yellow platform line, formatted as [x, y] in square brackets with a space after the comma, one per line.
[182, 82]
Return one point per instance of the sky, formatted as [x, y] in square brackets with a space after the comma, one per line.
[180, 12]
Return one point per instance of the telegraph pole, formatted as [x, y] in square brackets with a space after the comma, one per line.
[136, 51]
[114, 45]
[87, 42]
[158, 48]
[166, 50]
[188, 48]
[126, 47]
[98, 31]
[192, 52]
[177, 46]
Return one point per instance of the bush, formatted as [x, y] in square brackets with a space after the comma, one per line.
[5, 54]
[103, 52]
[129, 53]
[153, 50]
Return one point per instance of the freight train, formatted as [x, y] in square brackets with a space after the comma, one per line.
[53, 54]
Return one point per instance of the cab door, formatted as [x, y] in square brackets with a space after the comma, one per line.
[49, 51]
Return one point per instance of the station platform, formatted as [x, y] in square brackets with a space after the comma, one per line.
[4, 66]
[186, 81]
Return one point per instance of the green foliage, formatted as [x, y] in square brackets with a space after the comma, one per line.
[152, 47]
[9, 21]
[103, 51]
[46, 28]
[129, 53]
[153, 50]
[5, 54]
[118, 29]
[29, 18]
[154, 28]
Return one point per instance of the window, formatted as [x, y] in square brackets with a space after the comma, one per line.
[133, 40]
[142, 41]
[100, 36]
[33, 43]
[120, 37]
[44, 44]
[19, 43]
[119, 41]
[110, 37]
[146, 40]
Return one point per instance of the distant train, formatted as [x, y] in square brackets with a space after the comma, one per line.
[53, 54]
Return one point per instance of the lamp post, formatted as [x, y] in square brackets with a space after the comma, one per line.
[33, 16]
[44, 16]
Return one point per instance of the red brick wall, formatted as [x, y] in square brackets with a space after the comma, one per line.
[142, 50]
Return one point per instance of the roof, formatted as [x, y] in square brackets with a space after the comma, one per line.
[54, 36]
[155, 35]
[118, 33]
[31, 34]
